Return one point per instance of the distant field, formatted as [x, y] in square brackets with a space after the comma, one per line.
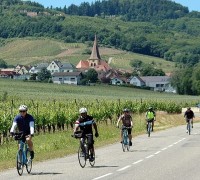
[41, 91]
[32, 51]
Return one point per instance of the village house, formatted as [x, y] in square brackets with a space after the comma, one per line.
[21, 69]
[38, 68]
[7, 73]
[156, 83]
[57, 66]
[67, 78]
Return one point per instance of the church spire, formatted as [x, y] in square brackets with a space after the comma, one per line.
[95, 51]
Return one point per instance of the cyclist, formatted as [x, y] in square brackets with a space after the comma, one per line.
[151, 117]
[189, 115]
[126, 119]
[85, 123]
[25, 123]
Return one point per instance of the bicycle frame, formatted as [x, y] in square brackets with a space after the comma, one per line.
[22, 158]
[125, 138]
[84, 152]
[23, 147]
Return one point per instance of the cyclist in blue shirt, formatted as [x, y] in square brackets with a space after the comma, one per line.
[85, 123]
[25, 123]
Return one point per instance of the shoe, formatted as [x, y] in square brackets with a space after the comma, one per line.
[91, 158]
[186, 131]
[32, 154]
[130, 143]
[192, 126]
[121, 142]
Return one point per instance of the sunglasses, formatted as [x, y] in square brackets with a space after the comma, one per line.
[22, 111]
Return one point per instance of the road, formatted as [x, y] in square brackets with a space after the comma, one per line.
[167, 155]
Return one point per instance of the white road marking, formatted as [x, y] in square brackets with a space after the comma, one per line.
[100, 177]
[149, 156]
[138, 161]
[170, 145]
[124, 168]
[157, 152]
[164, 149]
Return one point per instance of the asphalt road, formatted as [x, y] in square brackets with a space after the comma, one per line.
[167, 155]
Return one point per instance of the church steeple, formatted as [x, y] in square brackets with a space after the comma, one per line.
[95, 55]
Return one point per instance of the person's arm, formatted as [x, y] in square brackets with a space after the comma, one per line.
[154, 115]
[131, 122]
[119, 121]
[31, 124]
[76, 126]
[14, 125]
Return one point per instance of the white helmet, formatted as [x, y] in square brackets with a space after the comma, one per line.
[23, 108]
[82, 110]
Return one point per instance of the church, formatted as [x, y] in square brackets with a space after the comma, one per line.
[94, 61]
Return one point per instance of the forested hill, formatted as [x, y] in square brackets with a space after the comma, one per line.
[130, 10]
[176, 37]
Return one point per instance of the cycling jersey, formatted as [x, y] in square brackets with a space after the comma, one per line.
[189, 114]
[24, 124]
[150, 115]
[85, 124]
[126, 120]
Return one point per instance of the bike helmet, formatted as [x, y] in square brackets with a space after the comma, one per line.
[23, 108]
[150, 108]
[82, 110]
[126, 110]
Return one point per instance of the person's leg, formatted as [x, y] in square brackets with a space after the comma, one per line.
[152, 125]
[130, 136]
[30, 146]
[91, 147]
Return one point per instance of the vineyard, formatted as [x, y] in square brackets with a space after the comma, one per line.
[55, 107]
[55, 115]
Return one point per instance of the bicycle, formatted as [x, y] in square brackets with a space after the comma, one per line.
[84, 153]
[23, 155]
[125, 138]
[189, 121]
[149, 127]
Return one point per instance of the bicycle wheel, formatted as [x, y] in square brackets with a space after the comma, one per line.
[124, 141]
[29, 162]
[128, 144]
[82, 157]
[20, 162]
[149, 129]
[92, 162]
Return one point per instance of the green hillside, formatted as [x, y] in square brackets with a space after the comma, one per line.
[29, 51]
[167, 31]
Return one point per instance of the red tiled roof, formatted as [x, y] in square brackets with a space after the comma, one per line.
[82, 64]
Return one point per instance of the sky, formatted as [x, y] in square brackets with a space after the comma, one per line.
[193, 5]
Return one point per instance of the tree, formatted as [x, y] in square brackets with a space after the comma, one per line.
[92, 76]
[3, 64]
[44, 75]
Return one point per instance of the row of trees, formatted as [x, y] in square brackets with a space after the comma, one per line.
[187, 80]
[129, 10]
